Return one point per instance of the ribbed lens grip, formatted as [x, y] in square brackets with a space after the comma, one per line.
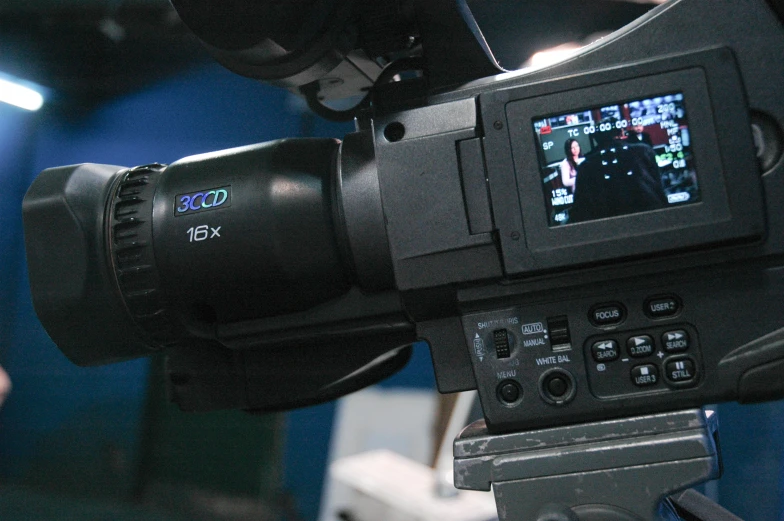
[132, 254]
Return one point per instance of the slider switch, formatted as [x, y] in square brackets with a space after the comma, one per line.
[501, 342]
[558, 329]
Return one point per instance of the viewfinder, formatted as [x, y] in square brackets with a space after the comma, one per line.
[617, 159]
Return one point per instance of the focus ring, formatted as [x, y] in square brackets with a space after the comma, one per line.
[133, 257]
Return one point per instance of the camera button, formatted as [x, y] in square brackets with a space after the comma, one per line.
[679, 371]
[509, 392]
[675, 341]
[607, 314]
[662, 306]
[557, 386]
[645, 375]
[639, 346]
[605, 351]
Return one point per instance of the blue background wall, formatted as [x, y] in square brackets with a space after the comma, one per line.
[64, 423]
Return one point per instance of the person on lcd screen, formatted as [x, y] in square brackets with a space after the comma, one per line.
[637, 134]
[616, 178]
[5, 385]
[570, 163]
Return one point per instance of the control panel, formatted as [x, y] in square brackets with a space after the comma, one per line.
[532, 363]
[627, 362]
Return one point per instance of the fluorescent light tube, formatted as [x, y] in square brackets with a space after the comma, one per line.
[20, 96]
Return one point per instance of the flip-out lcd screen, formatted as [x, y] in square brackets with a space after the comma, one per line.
[616, 159]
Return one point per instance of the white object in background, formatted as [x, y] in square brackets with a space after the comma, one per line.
[388, 487]
[15, 93]
[397, 419]
[461, 413]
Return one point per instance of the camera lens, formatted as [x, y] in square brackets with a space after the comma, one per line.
[123, 261]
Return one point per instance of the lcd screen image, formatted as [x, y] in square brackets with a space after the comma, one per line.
[616, 160]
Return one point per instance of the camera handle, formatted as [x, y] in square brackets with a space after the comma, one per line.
[612, 470]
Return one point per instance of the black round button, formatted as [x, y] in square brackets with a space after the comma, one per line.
[557, 386]
[645, 375]
[640, 346]
[605, 351]
[607, 314]
[662, 306]
[509, 392]
[675, 341]
[680, 370]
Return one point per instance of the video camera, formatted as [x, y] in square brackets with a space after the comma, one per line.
[644, 275]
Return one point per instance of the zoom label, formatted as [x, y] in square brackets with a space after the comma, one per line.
[202, 200]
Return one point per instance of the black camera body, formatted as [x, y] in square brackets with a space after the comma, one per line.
[453, 222]
[639, 312]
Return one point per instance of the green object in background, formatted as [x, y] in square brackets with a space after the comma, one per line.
[219, 466]
[226, 452]
[22, 504]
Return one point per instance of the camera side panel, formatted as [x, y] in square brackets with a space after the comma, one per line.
[629, 347]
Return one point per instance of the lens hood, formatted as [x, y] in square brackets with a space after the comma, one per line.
[74, 291]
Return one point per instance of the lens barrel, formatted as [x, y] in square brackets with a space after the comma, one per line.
[250, 232]
[126, 261]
